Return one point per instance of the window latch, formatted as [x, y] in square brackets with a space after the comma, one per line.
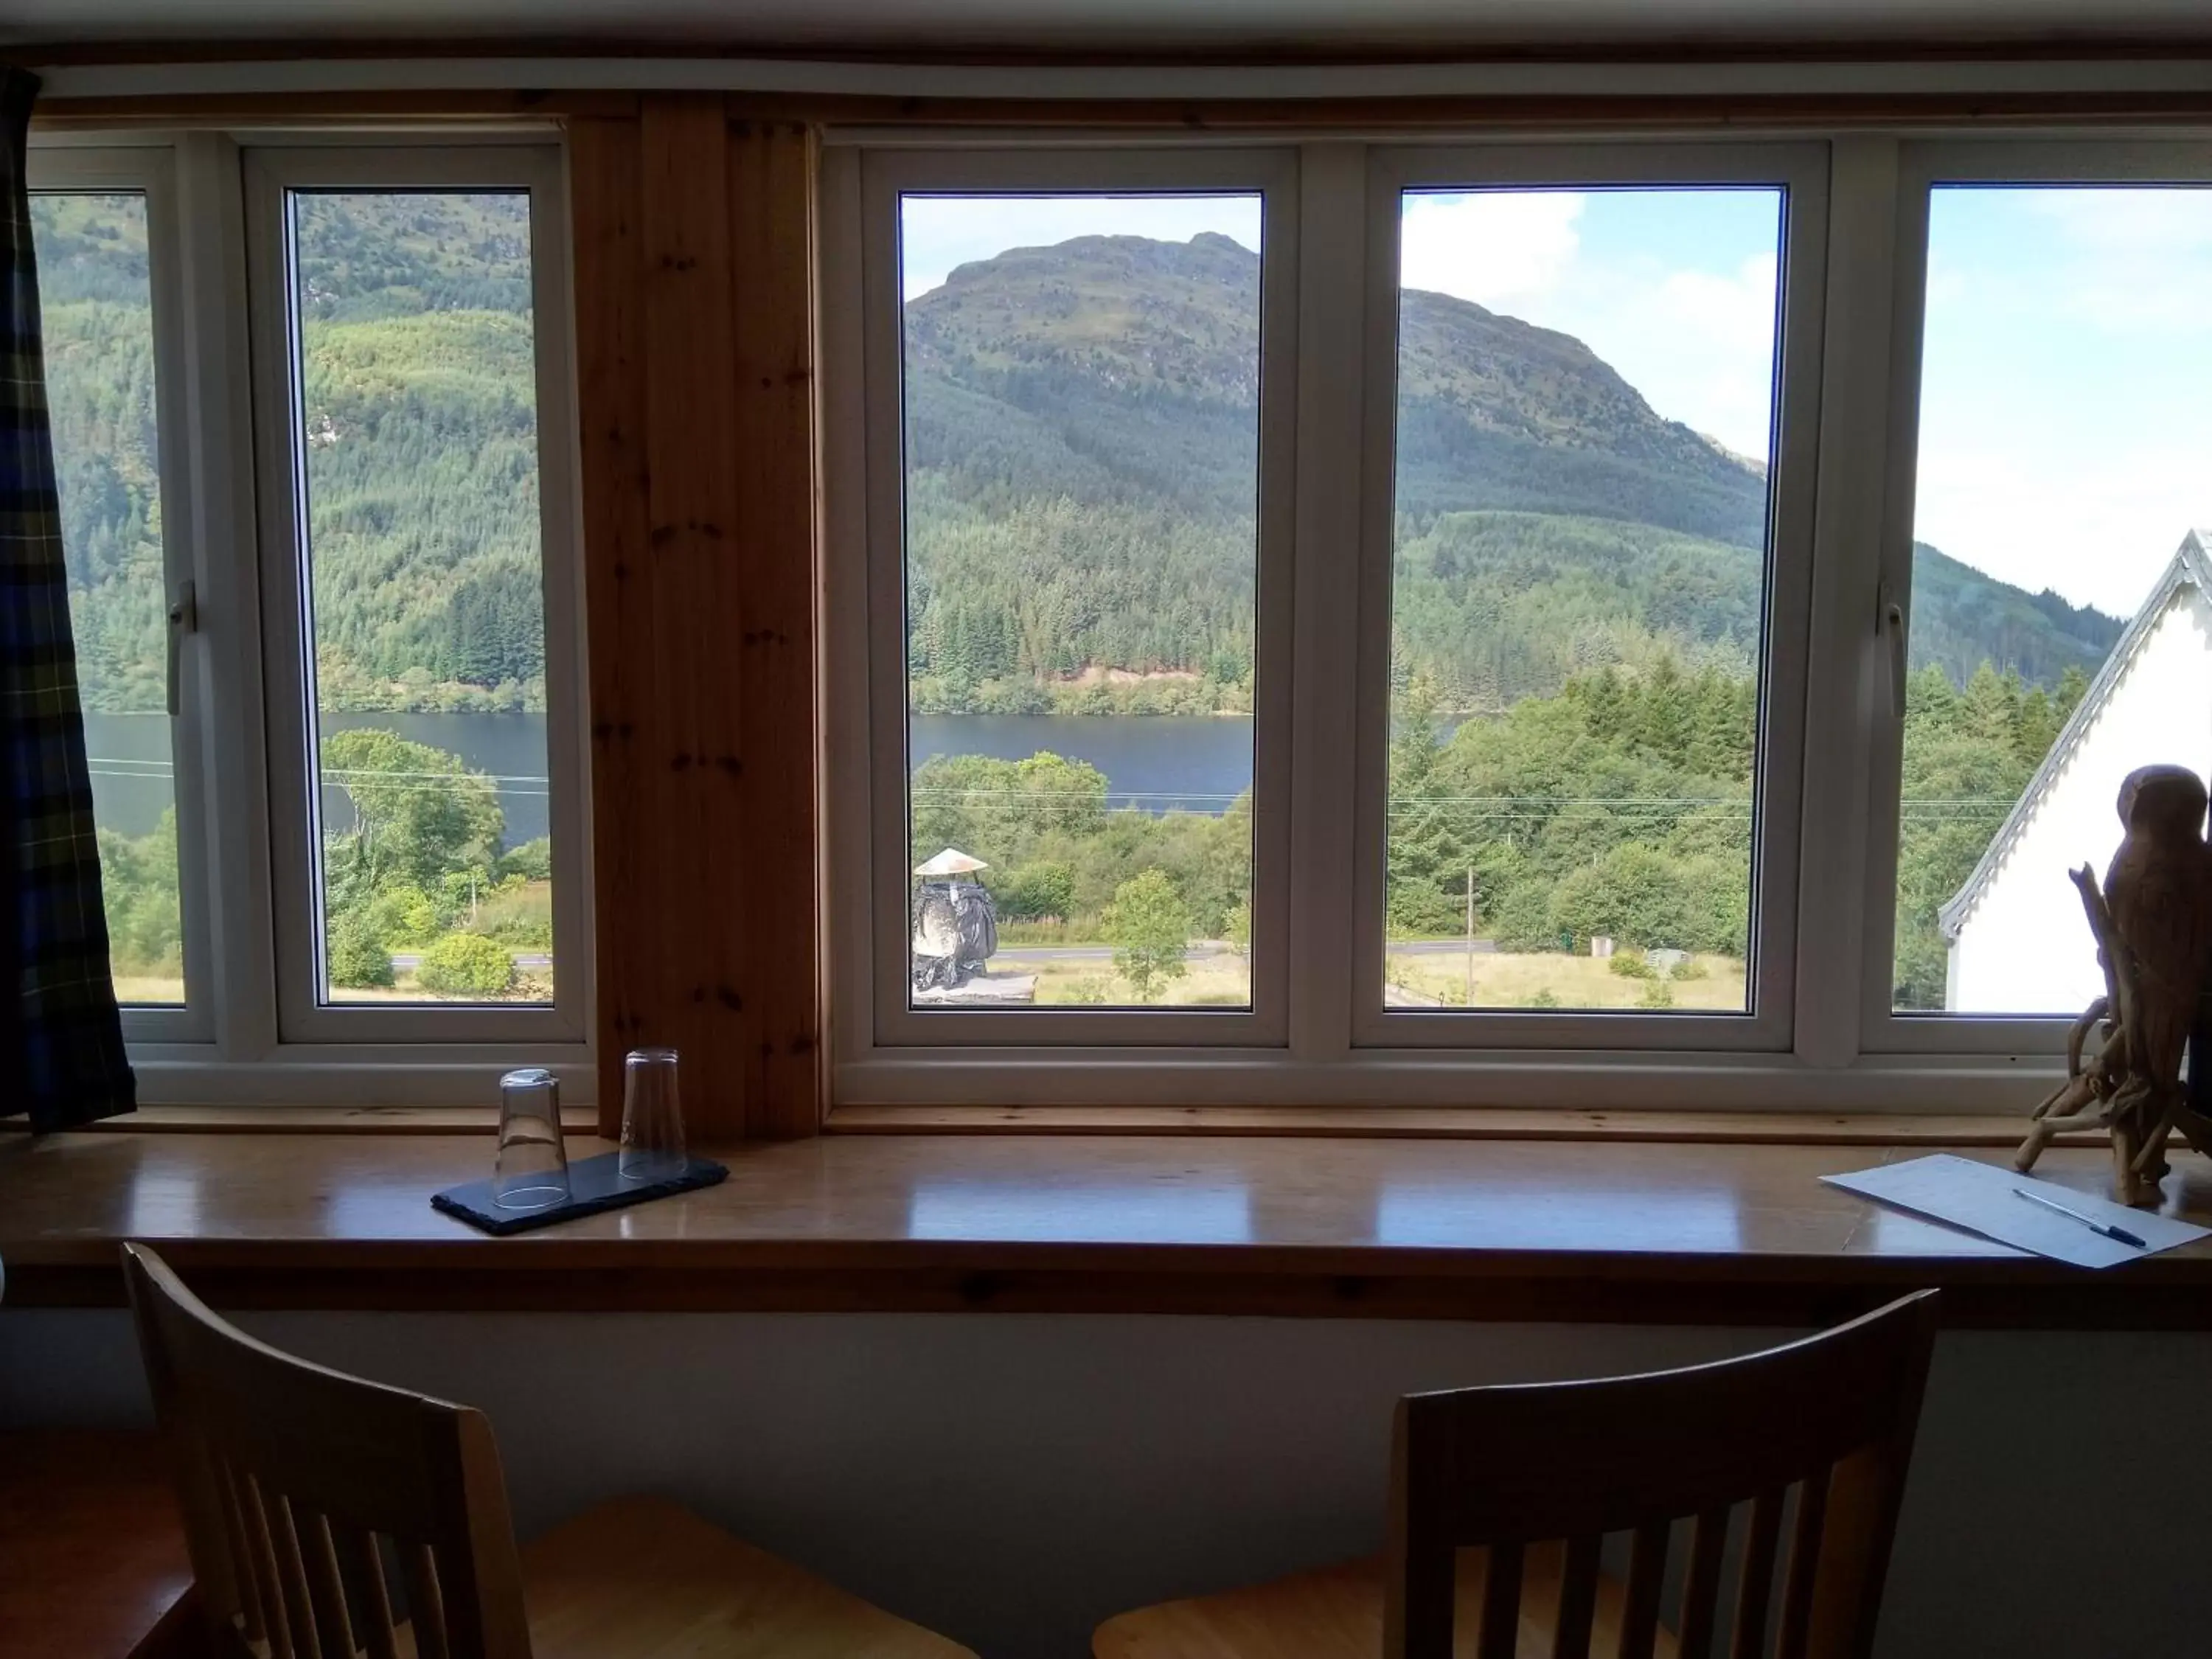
[184, 618]
[1890, 626]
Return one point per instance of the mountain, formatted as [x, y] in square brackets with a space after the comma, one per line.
[1081, 438]
[421, 456]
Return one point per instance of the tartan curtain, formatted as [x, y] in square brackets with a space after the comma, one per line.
[61, 1038]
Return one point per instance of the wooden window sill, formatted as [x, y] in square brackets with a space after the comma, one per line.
[1648, 1231]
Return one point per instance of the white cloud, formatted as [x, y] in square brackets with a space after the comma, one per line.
[2130, 223]
[2064, 435]
[1697, 344]
[2129, 261]
[2095, 527]
[1496, 249]
[1732, 313]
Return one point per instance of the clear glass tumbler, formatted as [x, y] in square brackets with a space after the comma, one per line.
[653, 1117]
[532, 1171]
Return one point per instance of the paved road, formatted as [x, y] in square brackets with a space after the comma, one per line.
[408, 961]
[411, 960]
[1214, 947]
[1032, 953]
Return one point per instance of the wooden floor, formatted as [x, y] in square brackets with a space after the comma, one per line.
[92, 1554]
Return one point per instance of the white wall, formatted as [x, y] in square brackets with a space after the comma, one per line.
[2025, 948]
[1013, 1479]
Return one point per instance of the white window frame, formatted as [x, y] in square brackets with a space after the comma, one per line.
[883, 177]
[253, 1036]
[1799, 173]
[1924, 165]
[149, 171]
[272, 172]
[1820, 1037]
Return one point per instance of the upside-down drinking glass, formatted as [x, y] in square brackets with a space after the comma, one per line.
[653, 1117]
[532, 1171]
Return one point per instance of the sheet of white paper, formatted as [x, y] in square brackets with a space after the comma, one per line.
[1979, 1197]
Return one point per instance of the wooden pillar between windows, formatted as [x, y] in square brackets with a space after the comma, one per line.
[693, 240]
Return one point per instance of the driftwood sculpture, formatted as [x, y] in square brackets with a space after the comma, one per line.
[2152, 922]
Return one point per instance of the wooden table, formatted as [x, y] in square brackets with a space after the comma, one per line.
[1640, 1231]
[92, 1554]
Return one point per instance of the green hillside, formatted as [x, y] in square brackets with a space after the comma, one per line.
[1577, 585]
[419, 404]
[1082, 427]
[1082, 434]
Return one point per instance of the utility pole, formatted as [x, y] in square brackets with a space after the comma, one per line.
[1470, 936]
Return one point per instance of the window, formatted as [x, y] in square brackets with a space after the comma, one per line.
[1080, 569]
[2042, 569]
[1713, 567]
[1579, 552]
[2058, 611]
[1081, 378]
[409, 499]
[96, 304]
[314, 436]
[1588, 526]
[414, 393]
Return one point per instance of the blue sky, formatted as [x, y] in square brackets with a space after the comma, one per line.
[2066, 404]
[2066, 427]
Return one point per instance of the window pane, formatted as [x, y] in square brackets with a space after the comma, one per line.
[2060, 617]
[1081, 385]
[417, 403]
[97, 307]
[1586, 388]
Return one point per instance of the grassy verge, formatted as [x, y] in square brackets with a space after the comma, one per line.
[1508, 980]
[1223, 981]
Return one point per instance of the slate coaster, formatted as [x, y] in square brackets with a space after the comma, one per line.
[594, 1184]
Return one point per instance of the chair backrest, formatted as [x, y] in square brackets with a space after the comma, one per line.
[303, 1489]
[1817, 1434]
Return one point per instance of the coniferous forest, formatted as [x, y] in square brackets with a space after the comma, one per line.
[1577, 595]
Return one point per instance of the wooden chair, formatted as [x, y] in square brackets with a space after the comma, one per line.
[302, 1487]
[1501, 1496]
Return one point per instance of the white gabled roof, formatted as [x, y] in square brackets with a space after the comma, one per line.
[2191, 567]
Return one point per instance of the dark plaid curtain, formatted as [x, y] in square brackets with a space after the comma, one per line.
[62, 1042]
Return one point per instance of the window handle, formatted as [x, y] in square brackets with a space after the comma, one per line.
[1892, 626]
[184, 618]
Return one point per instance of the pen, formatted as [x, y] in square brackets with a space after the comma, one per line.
[2119, 1234]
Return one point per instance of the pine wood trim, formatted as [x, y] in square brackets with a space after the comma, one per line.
[333, 108]
[776, 459]
[1747, 47]
[694, 338]
[605, 169]
[1410, 113]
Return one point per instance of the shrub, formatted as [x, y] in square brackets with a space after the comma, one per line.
[1656, 995]
[1691, 969]
[465, 964]
[1236, 927]
[405, 915]
[359, 957]
[1630, 964]
[518, 913]
[1035, 891]
[533, 860]
[1543, 998]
